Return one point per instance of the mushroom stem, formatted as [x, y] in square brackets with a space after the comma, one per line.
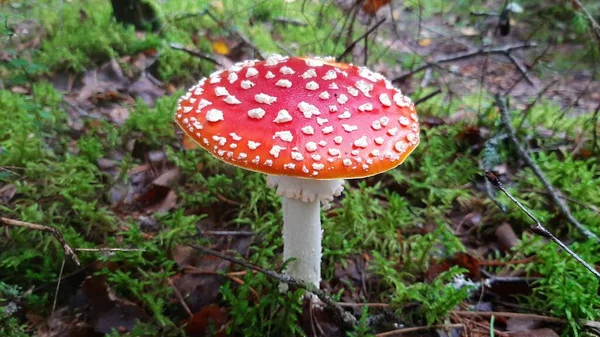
[302, 239]
[302, 232]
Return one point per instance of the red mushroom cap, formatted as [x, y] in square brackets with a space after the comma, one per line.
[302, 117]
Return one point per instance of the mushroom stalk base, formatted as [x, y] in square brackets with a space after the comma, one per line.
[302, 239]
[302, 232]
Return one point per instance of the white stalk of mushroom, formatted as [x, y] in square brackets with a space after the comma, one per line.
[308, 123]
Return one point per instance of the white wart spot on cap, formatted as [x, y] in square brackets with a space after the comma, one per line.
[400, 147]
[275, 150]
[284, 83]
[361, 142]
[232, 99]
[282, 117]
[297, 156]
[269, 75]
[310, 73]
[286, 136]
[379, 140]
[235, 136]
[342, 99]
[385, 100]
[347, 162]
[257, 113]
[251, 72]
[330, 75]
[322, 121]
[403, 121]
[308, 130]
[392, 131]
[327, 130]
[287, 70]
[366, 107]
[345, 115]
[312, 85]
[311, 146]
[349, 128]
[308, 109]
[247, 84]
[264, 98]
[221, 91]
[253, 145]
[214, 115]
[324, 95]
[352, 91]
[338, 139]
[232, 77]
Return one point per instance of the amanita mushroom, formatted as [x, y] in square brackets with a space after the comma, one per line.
[308, 123]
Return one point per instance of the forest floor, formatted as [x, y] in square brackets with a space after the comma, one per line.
[88, 147]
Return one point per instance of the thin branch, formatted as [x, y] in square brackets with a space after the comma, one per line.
[504, 50]
[363, 36]
[60, 274]
[180, 298]
[400, 332]
[538, 228]
[197, 54]
[534, 317]
[42, 228]
[562, 206]
[593, 23]
[426, 97]
[342, 314]
[110, 249]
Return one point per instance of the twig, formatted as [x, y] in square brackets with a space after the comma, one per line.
[177, 46]
[42, 228]
[562, 206]
[505, 50]
[228, 233]
[363, 36]
[593, 23]
[290, 21]
[521, 68]
[342, 314]
[575, 201]
[110, 249]
[62, 268]
[426, 97]
[534, 317]
[180, 298]
[400, 332]
[538, 228]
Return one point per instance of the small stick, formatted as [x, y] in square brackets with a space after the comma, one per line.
[342, 314]
[562, 206]
[538, 228]
[426, 97]
[48, 229]
[400, 332]
[62, 268]
[180, 298]
[505, 50]
[228, 233]
[363, 36]
[534, 317]
[110, 250]
[198, 54]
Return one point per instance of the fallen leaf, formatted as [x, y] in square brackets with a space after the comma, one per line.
[464, 260]
[167, 177]
[372, 6]
[147, 88]
[220, 47]
[506, 237]
[424, 42]
[109, 77]
[107, 310]
[7, 192]
[211, 318]
[534, 333]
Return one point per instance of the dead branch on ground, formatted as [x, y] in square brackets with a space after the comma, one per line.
[562, 206]
[503, 50]
[538, 228]
[47, 229]
[346, 318]
[363, 36]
